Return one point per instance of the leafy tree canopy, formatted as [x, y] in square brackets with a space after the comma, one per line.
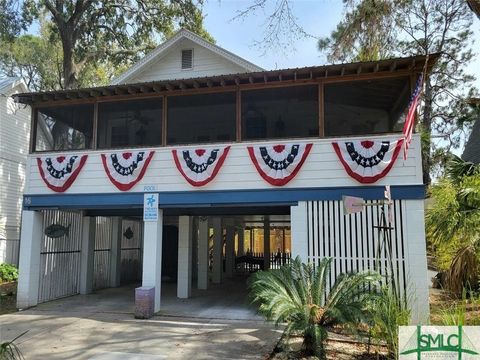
[372, 29]
[91, 32]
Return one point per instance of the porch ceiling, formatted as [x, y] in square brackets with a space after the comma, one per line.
[245, 80]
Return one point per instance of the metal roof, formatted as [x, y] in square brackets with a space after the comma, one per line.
[346, 70]
[8, 83]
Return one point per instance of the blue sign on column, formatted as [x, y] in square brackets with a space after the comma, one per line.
[150, 207]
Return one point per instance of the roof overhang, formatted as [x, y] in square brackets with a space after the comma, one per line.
[334, 72]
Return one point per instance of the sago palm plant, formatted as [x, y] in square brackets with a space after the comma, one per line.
[297, 294]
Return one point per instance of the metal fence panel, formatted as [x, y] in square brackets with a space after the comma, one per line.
[102, 252]
[131, 251]
[60, 255]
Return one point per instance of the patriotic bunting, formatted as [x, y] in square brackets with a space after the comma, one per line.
[125, 169]
[59, 172]
[278, 164]
[199, 166]
[368, 160]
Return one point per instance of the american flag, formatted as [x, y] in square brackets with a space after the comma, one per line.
[410, 119]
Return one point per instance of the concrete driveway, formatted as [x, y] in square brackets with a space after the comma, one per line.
[91, 327]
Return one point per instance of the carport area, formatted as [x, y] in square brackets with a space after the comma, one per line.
[226, 301]
[216, 323]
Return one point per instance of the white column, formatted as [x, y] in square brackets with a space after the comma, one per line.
[194, 248]
[217, 250]
[202, 277]
[152, 256]
[87, 254]
[266, 243]
[299, 230]
[29, 262]
[115, 252]
[417, 277]
[184, 277]
[230, 248]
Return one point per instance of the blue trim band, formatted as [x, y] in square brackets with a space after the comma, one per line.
[175, 199]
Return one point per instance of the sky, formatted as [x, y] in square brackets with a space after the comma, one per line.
[317, 17]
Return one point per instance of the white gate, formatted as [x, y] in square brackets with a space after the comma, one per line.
[60, 255]
[131, 251]
[102, 252]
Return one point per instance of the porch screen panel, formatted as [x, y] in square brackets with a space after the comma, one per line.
[196, 119]
[60, 255]
[102, 252]
[280, 113]
[131, 251]
[64, 128]
[365, 107]
[130, 123]
[353, 241]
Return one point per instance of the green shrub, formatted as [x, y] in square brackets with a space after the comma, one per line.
[8, 273]
[456, 312]
[388, 314]
[296, 294]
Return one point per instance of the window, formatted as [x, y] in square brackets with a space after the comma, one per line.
[280, 112]
[187, 59]
[366, 107]
[130, 123]
[64, 128]
[201, 118]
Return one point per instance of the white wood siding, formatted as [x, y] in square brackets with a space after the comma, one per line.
[205, 63]
[321, 169]
[14, 140]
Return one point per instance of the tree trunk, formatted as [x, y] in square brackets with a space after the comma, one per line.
[427, 128]
[69, 68]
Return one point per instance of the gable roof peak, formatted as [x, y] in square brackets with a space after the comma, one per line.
[177, 37]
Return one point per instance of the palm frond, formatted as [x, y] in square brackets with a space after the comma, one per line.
[296, 294]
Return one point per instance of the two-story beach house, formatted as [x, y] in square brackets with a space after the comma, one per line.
[195, 165]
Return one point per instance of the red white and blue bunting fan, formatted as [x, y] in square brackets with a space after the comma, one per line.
[125, 169]
[199, 166]
[278, 164]
[368, 160]
[59, 172]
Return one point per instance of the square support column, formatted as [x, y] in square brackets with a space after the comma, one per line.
[29, 262]
[266, 243]
[417, 261]
[184, 277]
[299, 230]
[203, 254]
[116, 252]
[217, 250]
[194, 248]
[229, 248]
[152, 256]
[87, 254]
